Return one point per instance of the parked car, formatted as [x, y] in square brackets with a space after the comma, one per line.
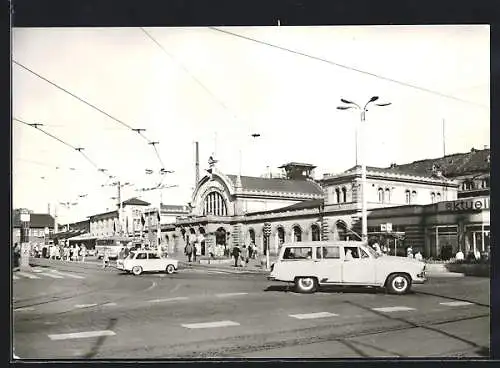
[140, 261]
[310, 265]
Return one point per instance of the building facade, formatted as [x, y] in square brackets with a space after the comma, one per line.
[417, 201]
[41, 227]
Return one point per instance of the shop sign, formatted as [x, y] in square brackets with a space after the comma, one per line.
[468, 205]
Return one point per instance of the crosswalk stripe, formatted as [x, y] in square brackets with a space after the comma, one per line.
[80, 335]
[28, 275]
[393, 309]
[24, 309]
[211, 324]
[313, 315]
[68, 274]
[168, 299]
[230, 294]
[51, 275]
[85, 305]
[455, 304]
[15, 277]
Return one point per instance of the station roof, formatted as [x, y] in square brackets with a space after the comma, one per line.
[278, 185]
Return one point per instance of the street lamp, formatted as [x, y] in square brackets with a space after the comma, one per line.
[352, 105]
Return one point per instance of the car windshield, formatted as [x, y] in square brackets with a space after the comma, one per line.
[131, 255]
[371, 251]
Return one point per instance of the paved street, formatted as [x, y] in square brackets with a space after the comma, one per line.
[69, 311]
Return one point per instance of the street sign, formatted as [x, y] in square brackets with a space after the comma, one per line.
[383, 227]
[25, 217]
[389, 227]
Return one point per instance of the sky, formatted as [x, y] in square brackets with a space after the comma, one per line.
[199, 84]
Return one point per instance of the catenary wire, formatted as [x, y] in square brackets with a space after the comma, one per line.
[88, 104]
[348, 67]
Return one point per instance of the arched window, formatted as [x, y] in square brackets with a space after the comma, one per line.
[380, 195]
[315, 232]
[407, 197]
[337, 192]
[344, 194]
[387, 197]
[251, 233]
[413, 196]
[433, 197]
[438, 197]
[281, 235]
[214, 204]
[297, 234]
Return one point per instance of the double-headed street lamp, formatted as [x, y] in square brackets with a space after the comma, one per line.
[352, 105]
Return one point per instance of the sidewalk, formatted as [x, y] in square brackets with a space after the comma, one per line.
[91, 263]
[254, 265]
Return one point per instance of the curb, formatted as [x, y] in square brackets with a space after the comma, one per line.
[444, 274]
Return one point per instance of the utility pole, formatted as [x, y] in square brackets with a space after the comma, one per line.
[120, 208]
[444, 142]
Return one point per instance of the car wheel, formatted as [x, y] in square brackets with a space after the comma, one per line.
[305, 285]
[170, 269]
[137, 270]
[398, 284]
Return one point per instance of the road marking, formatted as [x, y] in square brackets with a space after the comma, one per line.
[30, 276]
[168, 299]
[313, 315]
[152, 286]
[393, 309]
[51, 275]
[109, 305]
[68, 274]
[85, 305]
[230, 294]
[15, 277]
[455, 304]
[24, 309]
[36, 270]
[211, 324]
[81, 335]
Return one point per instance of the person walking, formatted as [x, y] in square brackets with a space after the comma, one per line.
[244, 256]
[105, 259]
[195, 251]
[83, 252]
[188, 251]
[250, 250]
[76, 253]
[236, 255]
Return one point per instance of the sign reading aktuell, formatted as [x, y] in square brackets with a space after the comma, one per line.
[470, 204]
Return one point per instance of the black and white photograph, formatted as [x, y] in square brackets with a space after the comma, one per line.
[250, 192]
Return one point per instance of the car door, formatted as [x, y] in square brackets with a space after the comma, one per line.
[141, 259]
[328, 264]
[359, 268]
[154, 262]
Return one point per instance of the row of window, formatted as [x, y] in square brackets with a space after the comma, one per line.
[340, 195]
[471, 184]
[329, 252]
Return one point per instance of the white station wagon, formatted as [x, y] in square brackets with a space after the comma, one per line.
[140, 261]
[310, 265]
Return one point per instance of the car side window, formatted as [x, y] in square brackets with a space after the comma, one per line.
[351, 253]
[153, 256]
[141, 256]
[331, 252]
[363, 253]
[298, 253]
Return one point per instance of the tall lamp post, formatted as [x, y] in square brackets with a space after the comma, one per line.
[352, 105]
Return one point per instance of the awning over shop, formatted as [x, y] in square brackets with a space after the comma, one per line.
[81, 237]
[67, 234]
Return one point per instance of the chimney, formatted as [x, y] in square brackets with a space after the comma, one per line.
[197, 164]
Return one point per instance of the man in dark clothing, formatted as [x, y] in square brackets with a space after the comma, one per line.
[236, 255]
[189, 251]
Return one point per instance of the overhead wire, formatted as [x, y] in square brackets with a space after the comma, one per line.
[406, 84]
[90, 105]
[78, 149]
